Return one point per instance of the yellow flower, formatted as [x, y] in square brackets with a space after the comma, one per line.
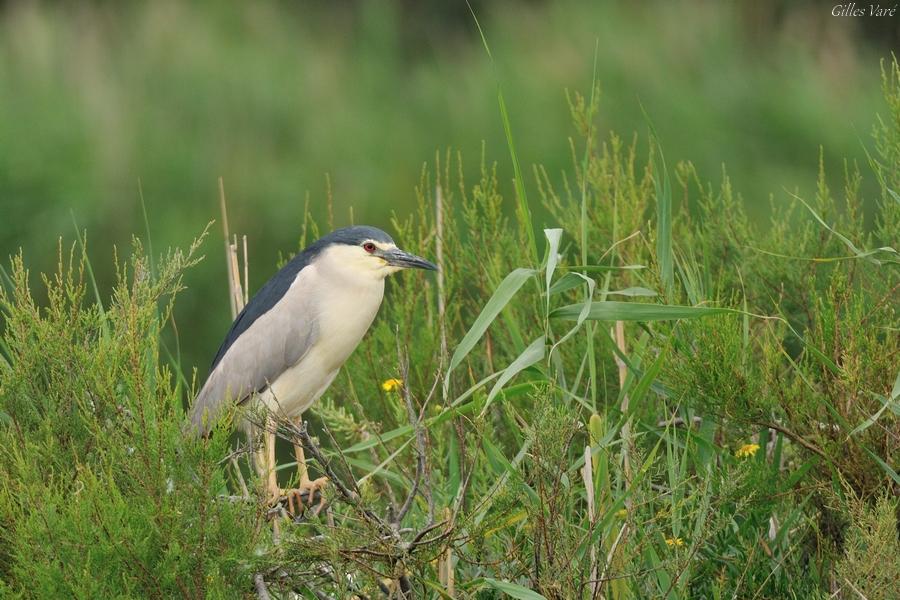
[674, 542]
[747, 450]
[389, 385]
[621, 513]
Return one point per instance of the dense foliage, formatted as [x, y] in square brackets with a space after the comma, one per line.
[656, 399]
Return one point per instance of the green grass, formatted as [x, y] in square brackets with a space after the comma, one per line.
[677, 405]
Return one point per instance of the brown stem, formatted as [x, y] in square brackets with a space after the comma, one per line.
[797, 438]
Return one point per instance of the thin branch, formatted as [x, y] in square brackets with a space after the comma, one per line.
[238, 452]
[854, 588]
[417, 541]
[420, 442]
[797, 438]
[433, 540]
[343, 458]
[612, 552]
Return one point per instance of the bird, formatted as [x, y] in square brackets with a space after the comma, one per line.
[288, 343]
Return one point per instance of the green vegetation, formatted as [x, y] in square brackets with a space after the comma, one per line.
[276, 96]
[659, 398]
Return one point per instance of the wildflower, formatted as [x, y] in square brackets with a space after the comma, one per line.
[747, 450]
[674, 542]
[621, 513]
[389, 385]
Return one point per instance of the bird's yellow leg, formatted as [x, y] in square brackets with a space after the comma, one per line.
[305, 485]
[265, 460]
[274, 492]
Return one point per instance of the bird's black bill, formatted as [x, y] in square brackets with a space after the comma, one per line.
[405, 260]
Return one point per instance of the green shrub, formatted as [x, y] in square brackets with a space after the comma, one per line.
[655, 402]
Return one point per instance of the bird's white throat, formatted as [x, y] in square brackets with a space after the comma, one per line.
[341, 320]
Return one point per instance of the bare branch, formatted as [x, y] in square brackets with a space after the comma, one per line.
[798, 439]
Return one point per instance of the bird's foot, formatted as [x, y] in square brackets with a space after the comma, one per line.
[304, 495]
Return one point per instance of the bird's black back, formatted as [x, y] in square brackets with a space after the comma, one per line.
[276, 287]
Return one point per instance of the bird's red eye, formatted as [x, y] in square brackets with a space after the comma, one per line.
[369, 247]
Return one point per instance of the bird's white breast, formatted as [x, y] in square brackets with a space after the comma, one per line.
[345, 306]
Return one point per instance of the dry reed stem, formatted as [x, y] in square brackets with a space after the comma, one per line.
[228, 259]
[587, 475]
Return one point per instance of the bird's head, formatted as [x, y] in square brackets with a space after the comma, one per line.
[368, 252]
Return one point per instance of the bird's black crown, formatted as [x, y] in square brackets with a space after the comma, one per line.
[356, 235]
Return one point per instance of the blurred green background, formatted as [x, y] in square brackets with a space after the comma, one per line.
[278, 98]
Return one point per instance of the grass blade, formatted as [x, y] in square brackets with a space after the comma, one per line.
[884, 466]
[633, 292]
[505, 291]
[553, 238]
[632, 311]
[585, 310]
[663, 189]
[532, 354]
[867, 254]
[513, 590]
[522, 208]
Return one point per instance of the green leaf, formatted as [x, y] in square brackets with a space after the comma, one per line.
[663, 186]
[633, 311]
[647, 378]
[885, 404]
[633, 291]
[553, 238]
[513, 590]
[82, 243]
[602, 268]
[437, 588]
[372, 472]
[447, 414]
[532, 354]
[454, 475]
[886, 467]
[455, 409]
[846, 241]
[505, 291]
[369, 468]
[585, 311]
[566, 283]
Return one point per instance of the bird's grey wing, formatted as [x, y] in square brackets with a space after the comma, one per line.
[275, 341]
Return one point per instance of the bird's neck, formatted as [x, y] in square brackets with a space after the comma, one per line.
[347, 279]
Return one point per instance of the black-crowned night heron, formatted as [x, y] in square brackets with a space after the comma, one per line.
[288, 344]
